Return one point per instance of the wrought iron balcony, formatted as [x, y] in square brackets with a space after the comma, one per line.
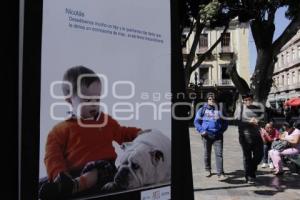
[226, 51]
[225, 82]
[202, 50]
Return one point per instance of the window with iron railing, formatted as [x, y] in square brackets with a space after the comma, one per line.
[294, 80]
[288, 79]
[225, 43]
[203, 42]
[293, 54]
[204, 74]
[282, 60]
[225, 77]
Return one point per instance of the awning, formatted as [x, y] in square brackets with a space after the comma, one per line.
[293, 102]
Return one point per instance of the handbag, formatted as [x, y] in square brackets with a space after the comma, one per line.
[280, 145]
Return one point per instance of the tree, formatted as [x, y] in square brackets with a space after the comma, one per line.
[198, 15]
[261, 15]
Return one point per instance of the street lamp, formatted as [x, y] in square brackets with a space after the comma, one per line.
[199, 85]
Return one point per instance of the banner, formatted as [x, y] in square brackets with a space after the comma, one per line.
[105, 83]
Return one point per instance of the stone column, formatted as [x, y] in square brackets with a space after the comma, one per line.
[297, 76]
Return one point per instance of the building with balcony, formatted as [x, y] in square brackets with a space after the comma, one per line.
[212, 76]
[286, 76]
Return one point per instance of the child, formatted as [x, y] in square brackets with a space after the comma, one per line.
[79, 152]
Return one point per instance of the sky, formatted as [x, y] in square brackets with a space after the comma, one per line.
[281, 22]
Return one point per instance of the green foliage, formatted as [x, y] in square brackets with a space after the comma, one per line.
[293, 8]
[261, 14]
[217, 12]
[210, 11]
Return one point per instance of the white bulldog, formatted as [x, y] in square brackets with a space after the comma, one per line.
[144, 161]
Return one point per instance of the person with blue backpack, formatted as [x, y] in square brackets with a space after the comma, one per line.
[209, 123]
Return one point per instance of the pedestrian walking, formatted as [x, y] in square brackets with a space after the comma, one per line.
[248, 115]
[209, 123]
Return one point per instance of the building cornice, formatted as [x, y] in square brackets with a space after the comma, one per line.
[286, 69]
[232, 25]
[292, 42]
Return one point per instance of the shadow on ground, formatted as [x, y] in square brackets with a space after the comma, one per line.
[266, 183]
[278, 183]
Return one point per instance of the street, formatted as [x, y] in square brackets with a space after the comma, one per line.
[234, 187]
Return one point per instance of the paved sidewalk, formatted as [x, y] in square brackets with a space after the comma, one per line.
[268, 186]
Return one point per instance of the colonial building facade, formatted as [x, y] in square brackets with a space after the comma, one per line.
[286, 76]
[211, 76]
